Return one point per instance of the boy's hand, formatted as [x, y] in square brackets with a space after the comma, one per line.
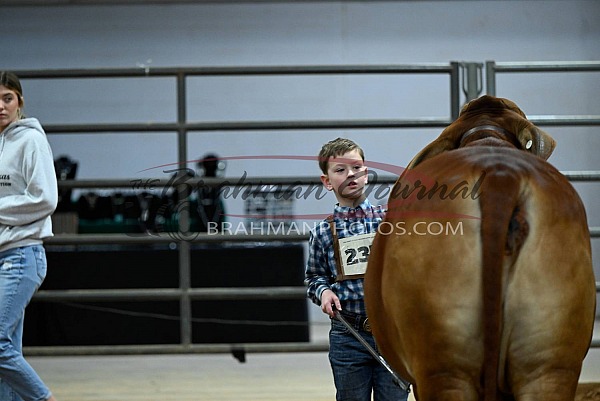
[328, 301]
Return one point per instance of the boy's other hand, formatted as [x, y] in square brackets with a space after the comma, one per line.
[329, 301]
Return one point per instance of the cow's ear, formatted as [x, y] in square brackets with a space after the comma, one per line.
[536, 141]
[436, 147]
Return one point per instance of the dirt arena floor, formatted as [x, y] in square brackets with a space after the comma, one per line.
[263, 377]
[219, 377]
[216, 377]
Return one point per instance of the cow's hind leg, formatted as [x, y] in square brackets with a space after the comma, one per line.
[446, 387]
[558, 385]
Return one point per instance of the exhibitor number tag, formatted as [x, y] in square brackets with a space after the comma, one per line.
[354, 254]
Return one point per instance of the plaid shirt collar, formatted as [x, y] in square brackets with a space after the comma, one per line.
[364, 210]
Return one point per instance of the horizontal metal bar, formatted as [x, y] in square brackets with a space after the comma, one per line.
[148, 128]
[582, 175]
[574, 120]
[134, 294]
[425, 122]
[555, 121]
[283, 292]
[146, 184]
[167, 294]
[428, 68]
[174, 349]
[172, 294]
[545, 66]
[291, 182]
[149, 71]
[168, 238]
[87, 239]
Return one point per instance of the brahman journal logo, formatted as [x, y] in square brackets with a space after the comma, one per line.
[269, 204]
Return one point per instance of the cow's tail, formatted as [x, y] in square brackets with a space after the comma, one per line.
[498, 202]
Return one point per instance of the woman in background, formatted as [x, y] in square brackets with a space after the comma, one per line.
[28, 196]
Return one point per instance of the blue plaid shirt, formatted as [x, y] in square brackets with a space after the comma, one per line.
[321, 268]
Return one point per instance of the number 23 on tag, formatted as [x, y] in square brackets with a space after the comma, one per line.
[355, 252]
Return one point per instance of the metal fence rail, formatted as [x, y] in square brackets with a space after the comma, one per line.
[586, 176]
[185, 293]
[493, 68]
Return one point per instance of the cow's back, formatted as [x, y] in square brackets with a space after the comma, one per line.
[426, 277]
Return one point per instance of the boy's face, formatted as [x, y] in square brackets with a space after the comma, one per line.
[346, 177]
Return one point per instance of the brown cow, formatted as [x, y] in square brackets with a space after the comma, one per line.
[480, 283]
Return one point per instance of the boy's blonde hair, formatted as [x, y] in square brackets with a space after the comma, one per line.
[337, 147]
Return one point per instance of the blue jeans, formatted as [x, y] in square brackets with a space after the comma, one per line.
[356, 373]
[22, 271]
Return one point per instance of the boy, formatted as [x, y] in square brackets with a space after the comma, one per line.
[338, 251]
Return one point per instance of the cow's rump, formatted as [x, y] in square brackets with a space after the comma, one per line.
[480, 283]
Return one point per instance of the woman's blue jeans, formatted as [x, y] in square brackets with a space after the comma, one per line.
[356, 373]
[22, 271]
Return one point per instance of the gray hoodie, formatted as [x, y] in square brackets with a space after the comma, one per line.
[28, 188]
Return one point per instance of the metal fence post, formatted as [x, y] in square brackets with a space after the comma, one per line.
[454, 90]
[472, 83]
[490, 78]
[183, 218]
